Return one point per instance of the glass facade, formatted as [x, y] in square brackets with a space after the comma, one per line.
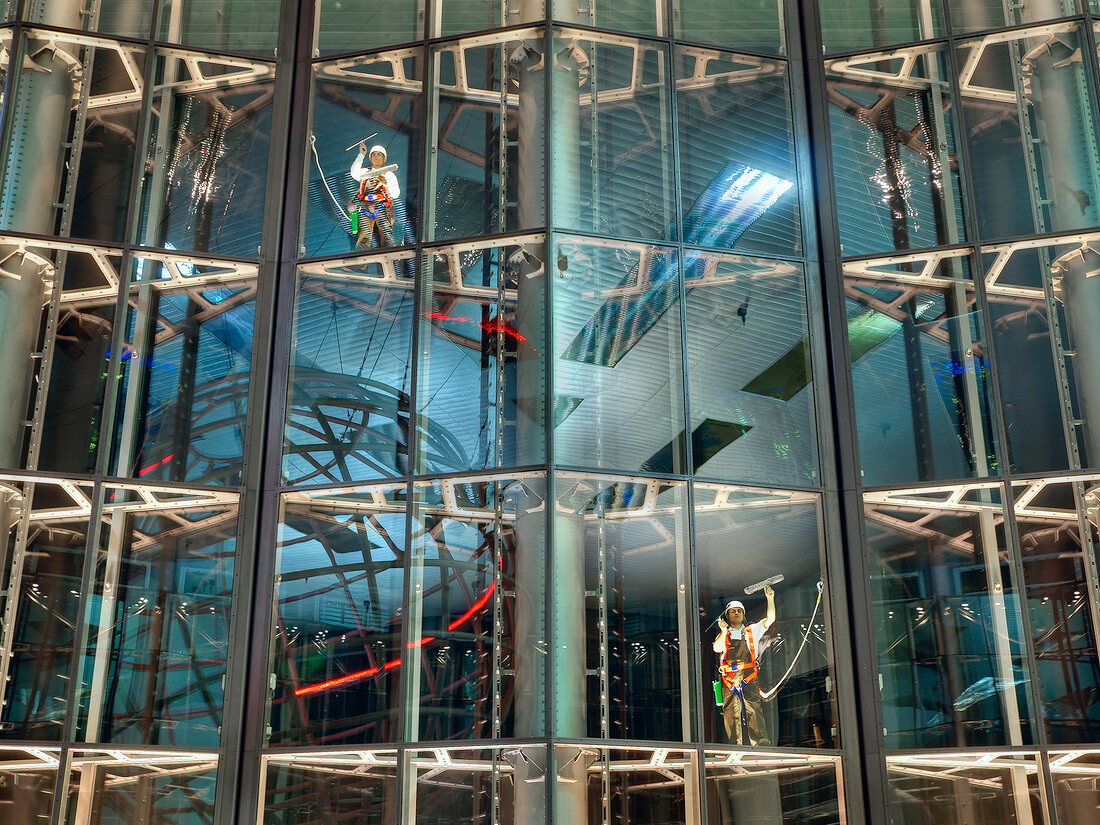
[446, 412]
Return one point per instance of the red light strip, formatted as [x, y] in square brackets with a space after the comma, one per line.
[374, 671]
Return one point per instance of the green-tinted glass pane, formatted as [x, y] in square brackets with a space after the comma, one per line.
[348, 26]
[862, 24]
[758, 26]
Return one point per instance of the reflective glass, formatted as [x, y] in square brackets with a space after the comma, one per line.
[364, 103]
[476, 609]
[336, 642]
[1076, 794]
[65, 350]
[345, 26]
[737, 173]
[206, 150]
[1043, 304]
[611, 133]
[226, 25]
[350, 372]
[1057, 546]
[1027, 107]
[860, 24]
[743, 788]
[28, 778]
[622, 596]
[158, 625]
[357, 787]
[919, 369]
[42, 571]
[487, 153]
[70, 135]
[505, 785]
[635, 16]
[482, 348]
[749, 378]
[975, 15]
[618, 374]
[759, 26]
[947, 615]
[780, 656]
[643, 786]
[459, 16]
[965, 789]
[893, 145]
[121, 788]
[128, 18]
[183, 374]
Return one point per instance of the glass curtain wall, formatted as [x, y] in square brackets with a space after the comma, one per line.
[420, 412]
[964, 153]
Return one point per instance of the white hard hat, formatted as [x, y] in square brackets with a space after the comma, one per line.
[378, 148]
[732, 605]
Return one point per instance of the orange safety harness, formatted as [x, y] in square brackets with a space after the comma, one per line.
[726, 670]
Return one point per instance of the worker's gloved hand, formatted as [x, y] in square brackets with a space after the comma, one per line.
[362, 148]
[768, 591]
[722, 625]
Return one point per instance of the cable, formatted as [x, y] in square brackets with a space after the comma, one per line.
[324, 180]
[768, 694]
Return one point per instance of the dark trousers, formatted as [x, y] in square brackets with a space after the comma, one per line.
[732, 703]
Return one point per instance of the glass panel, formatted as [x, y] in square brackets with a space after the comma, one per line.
[59, 355]
[356, 787]
[350, 384]
[460, 16]
[919, 369]
[744, 787]
[847, 25]
[643, 786]
[1027, 105]
[748, 343]
[481, 380]
[1058, 545]
[636, 16]
[70, 135]
[127, 18]
[336, 643]
[477, 542]
[893, 145]
[120, 788]
[947, 619]
[158, 618]
[618, 373]
[486, 167]
[776, 649]
[1043, 301]
[737, 173]
[974, 15]
[365, 103]
[611, 133]
[757, 26]
[621, 595]
[347, 27]
[42, 563]
[1076, 793]
[226, 25]
[205, 179]
[456, 787]
[184, 374]
[965, 789]
[27, 780]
